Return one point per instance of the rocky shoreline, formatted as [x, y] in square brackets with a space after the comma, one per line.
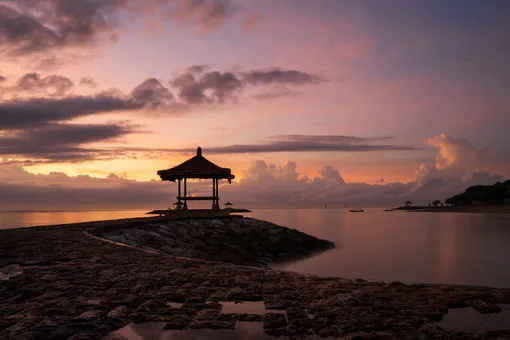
[64, 284]
[242, 241]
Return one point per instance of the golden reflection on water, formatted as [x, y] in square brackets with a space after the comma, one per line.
[27, 219]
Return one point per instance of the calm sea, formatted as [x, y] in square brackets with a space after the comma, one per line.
[411, 247]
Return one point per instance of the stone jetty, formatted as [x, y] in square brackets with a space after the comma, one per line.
[243, 241]
[68, 282]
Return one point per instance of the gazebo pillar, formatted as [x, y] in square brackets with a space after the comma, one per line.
[213, 191]
[179, 194]
[185, 195]
[217, 200]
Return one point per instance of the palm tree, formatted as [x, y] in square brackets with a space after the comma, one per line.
[409, 204]
[436, 203]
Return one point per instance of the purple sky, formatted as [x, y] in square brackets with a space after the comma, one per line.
[306, 101]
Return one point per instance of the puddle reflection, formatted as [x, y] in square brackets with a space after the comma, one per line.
[257, 308]
[469, 320]
[154, 331]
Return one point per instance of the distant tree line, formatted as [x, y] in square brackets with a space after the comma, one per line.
[498, 193]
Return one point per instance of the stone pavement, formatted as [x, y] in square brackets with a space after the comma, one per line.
[64, 284]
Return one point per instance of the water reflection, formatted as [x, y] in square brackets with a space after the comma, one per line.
[451, 248]
[257, 308]
[154, 331]
[468, 320]
[470, 249]
[27, 219]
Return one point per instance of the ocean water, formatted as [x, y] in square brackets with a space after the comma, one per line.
[412, 247]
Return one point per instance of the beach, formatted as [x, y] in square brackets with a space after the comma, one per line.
[67, 282]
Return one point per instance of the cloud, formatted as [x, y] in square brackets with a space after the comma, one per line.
[205, 14]
[36, 112]
[278, 76]
[53, 85]
[276, 93]
[454, 169]
[209, 88]
[308, 143]
[261, 184]
[456, 159]
[197, 68]
[187, 91]
[2, 78]
[45, 26]
[20, 189]
[196, 87]
[253, 20]
[30, 26]
[151, 93]
[63, 142]
[88, 81]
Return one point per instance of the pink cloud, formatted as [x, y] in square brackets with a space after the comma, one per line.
[262, 183]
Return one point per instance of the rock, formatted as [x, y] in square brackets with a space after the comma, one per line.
[118, 312]
[177, 321]
[207, 314]
[457, 304]
[434, 313]
[358, 336]
[484, 307]
[89, 315]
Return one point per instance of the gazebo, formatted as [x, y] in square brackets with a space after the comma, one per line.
[197, 167]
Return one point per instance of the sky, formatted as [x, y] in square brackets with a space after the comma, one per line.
[308, 102]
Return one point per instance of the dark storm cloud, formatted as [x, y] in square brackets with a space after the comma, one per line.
[308, 143]
[52, 85]
[63, 142]
[280, 76]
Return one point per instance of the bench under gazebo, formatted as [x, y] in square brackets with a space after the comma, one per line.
[197, 167]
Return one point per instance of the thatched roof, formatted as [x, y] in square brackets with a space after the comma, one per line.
[197, 167]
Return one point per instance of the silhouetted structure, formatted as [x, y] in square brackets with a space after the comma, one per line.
[197, 167]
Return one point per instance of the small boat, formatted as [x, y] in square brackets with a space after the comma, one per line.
[357, 210]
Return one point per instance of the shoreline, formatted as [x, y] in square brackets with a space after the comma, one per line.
[474, 209]
[64, 284]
